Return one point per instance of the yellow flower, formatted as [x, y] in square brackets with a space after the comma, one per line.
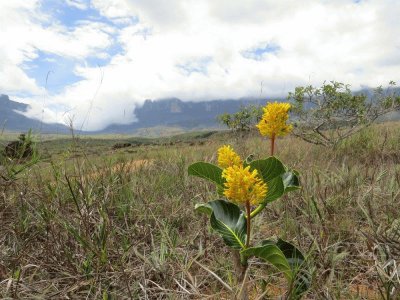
[227, 157]
[273, 122]
[243, 185]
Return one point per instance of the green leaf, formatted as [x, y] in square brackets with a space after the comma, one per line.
[275, 189]
[204, 208]
[271, 170]
[301, 276]
[287, 259]
[268, 168]
[207, 171]
[279, 180]
[291, 180]
[271, 253]
[249, 159]
[291, 253]
[229, 221]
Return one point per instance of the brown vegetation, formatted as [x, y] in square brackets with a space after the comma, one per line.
[130, 230]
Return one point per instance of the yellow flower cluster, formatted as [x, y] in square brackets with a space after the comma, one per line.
[227, 157]
[243, 185]
[273, 122]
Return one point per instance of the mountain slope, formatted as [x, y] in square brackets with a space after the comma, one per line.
[12, 120]
[153, 113]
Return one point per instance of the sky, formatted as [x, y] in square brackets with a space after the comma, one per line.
[91, 62]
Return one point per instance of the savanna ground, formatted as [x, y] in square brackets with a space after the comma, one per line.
[89, 222]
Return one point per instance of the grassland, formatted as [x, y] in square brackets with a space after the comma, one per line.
[88, 221]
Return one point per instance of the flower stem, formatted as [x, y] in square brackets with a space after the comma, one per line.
[272, 144]
[248, 220]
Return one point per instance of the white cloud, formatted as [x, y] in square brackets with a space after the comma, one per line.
[25, 32]
[194, 50]
[79, 4]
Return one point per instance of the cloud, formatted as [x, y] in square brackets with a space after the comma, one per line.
[123, 51]
[27, 30]
[79, 4]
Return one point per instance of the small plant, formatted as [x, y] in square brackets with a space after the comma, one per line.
[245, 188]
[17, 156]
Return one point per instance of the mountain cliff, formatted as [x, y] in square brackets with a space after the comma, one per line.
[170, 112]
[176, 113]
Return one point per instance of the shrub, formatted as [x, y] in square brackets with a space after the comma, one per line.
[329, 114]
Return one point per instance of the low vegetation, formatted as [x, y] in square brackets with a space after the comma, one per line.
[86, 221]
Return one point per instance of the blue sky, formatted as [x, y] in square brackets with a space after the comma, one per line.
[54, 71]
[103, 58]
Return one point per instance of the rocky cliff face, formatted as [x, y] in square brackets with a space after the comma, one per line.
[174, 112]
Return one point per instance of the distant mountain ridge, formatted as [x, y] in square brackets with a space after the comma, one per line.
[168, 113]
[171, 112]
[12, 120]
[174, 112]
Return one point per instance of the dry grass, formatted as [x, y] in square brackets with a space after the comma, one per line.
[112, 228]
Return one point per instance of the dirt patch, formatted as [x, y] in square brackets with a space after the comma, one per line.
[364, 291]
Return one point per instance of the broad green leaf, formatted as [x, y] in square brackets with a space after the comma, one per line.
[271, 170]
[268, 168]
[275, 189]
[271, 253]
[207, 171]
[279, 180]
[290, 180]
[229, 221]
[208, 208]
[294, 255]
[289, 260]
[301, 280]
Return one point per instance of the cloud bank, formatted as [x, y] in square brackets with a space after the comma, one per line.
[93, 62]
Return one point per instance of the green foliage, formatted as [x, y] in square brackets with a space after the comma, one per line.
[243, 120]
[278, 178]
[229, 221]
[271, 253]
[268, 168]
[18, 156]
[207, 171]
[288, 260]
[232, 224]
[329, 114]
[301, 280]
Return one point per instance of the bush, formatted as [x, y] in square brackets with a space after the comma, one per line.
[243, 120]
[329, 114]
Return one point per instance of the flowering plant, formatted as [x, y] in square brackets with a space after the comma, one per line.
[245, 188]
[273, 121]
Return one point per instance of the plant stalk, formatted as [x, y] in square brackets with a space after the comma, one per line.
[262, 205]
[240, 268]
[272, 144]
[248, 221]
